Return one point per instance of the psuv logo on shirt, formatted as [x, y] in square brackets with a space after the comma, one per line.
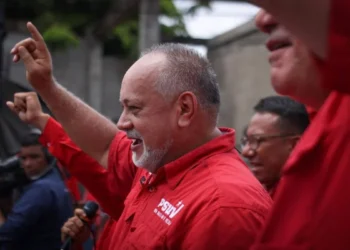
[167, 211]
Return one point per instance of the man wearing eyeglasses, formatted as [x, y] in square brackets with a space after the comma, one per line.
[271, 135]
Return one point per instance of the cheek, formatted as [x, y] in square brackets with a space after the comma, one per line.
[40, 163]
[155, 136]
[278, 158]
[264, 155]
[297, 75]
[271, 155]
[157, 129]
[284, 77]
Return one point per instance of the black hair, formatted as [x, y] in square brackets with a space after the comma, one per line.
[31, 139]
[293, 115]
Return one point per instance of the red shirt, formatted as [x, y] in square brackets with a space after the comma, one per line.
[90, 173]
[207, 199]
[311, 209]
[71, 183]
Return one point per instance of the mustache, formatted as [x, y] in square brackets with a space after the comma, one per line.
[133, 134]
[281, 34]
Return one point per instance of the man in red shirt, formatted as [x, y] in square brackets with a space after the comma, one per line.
[311, 209]
[179, 182]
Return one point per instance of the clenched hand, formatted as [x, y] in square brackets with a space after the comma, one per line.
[75, 228]
[28, 108]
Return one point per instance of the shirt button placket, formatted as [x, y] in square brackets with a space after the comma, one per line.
[151, 189]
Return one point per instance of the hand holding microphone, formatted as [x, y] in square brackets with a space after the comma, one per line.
[77, 227]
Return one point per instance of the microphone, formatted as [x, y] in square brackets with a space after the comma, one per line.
[90, 209]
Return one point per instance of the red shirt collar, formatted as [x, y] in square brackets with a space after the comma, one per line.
[272, 190]
[176, 170]
[312, 113]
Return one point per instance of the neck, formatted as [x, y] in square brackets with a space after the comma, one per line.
[199, 140]
[42, 173]
[189, 144]
[317, 101]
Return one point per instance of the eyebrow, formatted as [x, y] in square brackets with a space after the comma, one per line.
[123, 101]
[127, 101]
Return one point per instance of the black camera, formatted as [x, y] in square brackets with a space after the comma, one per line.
[12, 176]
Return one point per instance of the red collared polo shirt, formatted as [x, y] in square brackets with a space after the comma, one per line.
[311, 209]
[207, 199]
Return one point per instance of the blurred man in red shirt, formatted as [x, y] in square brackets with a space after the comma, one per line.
[310, 64]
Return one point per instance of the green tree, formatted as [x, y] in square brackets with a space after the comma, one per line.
[113, 22]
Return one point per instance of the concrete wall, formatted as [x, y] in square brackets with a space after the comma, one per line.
[70, 69]
[239, 58]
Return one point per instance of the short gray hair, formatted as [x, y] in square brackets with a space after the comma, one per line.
[187, 70]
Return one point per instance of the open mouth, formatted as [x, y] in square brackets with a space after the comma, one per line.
[273, 45]
[136, 142]
[256, 166]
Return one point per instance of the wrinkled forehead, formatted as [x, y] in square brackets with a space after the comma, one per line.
[263, 123]
[142, 76]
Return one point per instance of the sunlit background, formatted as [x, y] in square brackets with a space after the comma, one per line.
[219, 18]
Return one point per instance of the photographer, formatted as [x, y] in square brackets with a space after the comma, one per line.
[36, 218]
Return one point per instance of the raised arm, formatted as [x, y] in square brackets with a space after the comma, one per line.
[109, 186]
[307, 19]
[91, 131]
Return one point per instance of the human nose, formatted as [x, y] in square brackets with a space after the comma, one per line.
[124, 123]
[265, 22]
[247, 151]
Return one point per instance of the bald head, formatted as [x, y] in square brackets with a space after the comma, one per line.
[181, 69]
[146, 69]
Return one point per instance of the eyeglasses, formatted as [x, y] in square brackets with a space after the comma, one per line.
[254, 141]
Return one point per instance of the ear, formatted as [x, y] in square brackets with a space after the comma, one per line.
[187, 108]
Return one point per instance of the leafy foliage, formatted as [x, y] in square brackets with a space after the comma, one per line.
[199, 4]
[60, 36]
[64, 21]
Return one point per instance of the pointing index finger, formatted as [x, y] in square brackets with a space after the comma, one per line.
[34, 32]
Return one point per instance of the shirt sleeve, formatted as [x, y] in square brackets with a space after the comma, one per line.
[24, 214]
[71, 183]
[225, 228]
[109, 186]
[336, 67]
